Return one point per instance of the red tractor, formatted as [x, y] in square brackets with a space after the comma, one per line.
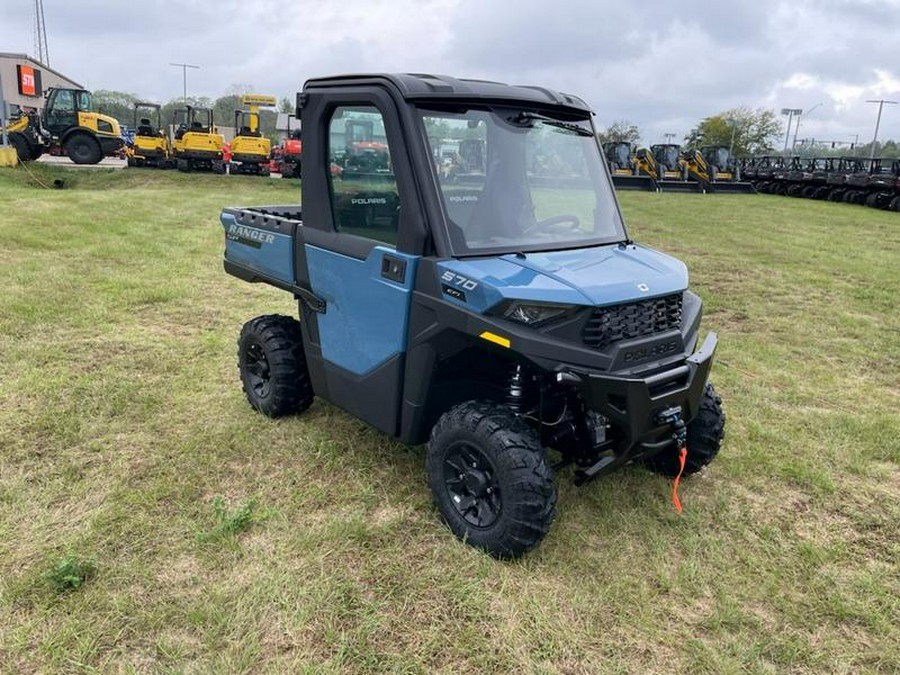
[291, 150]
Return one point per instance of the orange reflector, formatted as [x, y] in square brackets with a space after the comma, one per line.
[496, 339]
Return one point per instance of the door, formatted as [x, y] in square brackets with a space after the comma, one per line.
[356, 268]
[60, 113]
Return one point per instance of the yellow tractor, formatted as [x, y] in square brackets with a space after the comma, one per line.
[150, 146]
[724, 172]
[624, 167]
[250, 150]
[197, 145]
[666, 165]
[66, 126]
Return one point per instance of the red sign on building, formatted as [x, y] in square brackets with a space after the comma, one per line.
[29, 81]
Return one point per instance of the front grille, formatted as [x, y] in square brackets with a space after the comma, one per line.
[609, 325]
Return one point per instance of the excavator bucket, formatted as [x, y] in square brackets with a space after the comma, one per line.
[680, 186]
[632, 182]
[732, 187]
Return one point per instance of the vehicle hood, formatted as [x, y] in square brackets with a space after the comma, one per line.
[596, 276]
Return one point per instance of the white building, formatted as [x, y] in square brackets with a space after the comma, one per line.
[25, 80]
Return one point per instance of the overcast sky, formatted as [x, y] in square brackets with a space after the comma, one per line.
[662, 65]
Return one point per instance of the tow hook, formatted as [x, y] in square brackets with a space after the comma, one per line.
[672, 417]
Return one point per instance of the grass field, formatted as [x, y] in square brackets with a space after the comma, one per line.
[196, 536]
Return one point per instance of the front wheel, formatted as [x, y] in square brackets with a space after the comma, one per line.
[490, 480]
[704, 438]
[83, 149]
[273, 367]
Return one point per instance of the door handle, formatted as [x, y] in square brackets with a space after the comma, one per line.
[393, 268]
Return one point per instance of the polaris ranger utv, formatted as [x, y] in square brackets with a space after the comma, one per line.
[496, 318]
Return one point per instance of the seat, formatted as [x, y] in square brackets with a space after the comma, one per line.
[145, 128]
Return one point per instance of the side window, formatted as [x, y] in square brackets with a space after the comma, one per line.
[84, 101]
[364, 197]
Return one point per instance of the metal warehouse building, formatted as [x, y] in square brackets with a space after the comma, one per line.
[25, 80]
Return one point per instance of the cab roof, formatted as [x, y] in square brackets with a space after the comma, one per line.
[425, 87]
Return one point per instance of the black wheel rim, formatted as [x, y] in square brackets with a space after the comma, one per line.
[81, 149]
[256, 365]
[471, 481]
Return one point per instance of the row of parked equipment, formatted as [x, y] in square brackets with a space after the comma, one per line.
[195, 143]
[873, 182]
[668, 168]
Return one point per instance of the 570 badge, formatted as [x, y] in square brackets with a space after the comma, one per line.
[455, 285]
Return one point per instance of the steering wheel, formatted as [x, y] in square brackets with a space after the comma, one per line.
[554, 220]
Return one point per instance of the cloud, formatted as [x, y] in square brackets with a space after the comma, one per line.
[660, 64]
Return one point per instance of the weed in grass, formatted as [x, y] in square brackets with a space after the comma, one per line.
[71, 572]
[230, 524]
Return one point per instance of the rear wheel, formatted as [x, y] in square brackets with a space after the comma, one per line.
[22, 146]
[83, 149]
[273, 366]
[490, 480]
[895, 204]
[704, 438]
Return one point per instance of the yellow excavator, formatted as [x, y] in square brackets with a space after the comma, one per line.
[250, 150]
[150, 146]
[66, 126]
[197, 145]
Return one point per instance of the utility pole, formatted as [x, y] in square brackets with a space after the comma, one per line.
[669, 138]
[184, 67]
[733, 123]
[790, 112]
[797, 127]
[40, 34]
[880, 103]
[4, 141]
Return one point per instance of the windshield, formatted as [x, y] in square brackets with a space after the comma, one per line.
[516, 181]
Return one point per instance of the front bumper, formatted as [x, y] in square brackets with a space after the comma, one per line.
[633, 404]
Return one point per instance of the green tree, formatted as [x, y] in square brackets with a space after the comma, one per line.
[754, 131]
[224, 107]
[620, 131]
[118, 104]
[169, 108]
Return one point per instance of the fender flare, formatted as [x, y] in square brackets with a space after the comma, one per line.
[77, 130]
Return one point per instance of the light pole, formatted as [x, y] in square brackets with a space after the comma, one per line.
[880, 103]
[790, 112]
[733, 123]
[184, 67]
[4, 142]
[669, 138]
[797, 128]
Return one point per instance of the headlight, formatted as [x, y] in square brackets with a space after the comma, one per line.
[534, 314]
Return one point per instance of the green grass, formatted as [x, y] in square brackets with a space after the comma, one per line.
[122, 423]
